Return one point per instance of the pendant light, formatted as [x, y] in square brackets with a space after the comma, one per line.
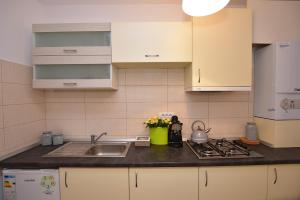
[203, 7]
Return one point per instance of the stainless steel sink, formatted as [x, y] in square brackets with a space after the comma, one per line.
[85, 149]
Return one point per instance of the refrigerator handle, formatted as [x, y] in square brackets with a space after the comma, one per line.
[66, 183]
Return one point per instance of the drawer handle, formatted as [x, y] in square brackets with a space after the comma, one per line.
[206, 179]
[136, 179]
[199, 74]
[151, 56]
[66, 183]
[297, 89]
[70, 84]
[276, 176]
[70, 50]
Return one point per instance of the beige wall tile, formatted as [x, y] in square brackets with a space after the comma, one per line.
[70, 128]
[65, 111]
[177, 94]
[1, 93]
[58, 96]
[228, 127]
[146, 77]
[146, 94]
[1, 117]
[176, 76]
[228, 109]
[108, 96]
[137, 127]
[16, 73]
[105, 110]
[21, 94]
[228, 96]
[19, 136]
[145, 110]
[1, 141]
[24, 113]
[192, 110]
[121, 77]
[113, 127]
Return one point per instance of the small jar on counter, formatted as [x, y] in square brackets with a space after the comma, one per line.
[57, 139]
[46, 139]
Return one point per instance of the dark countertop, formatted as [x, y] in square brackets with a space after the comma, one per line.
[155, 156]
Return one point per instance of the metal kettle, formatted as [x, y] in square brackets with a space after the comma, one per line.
[200, 133]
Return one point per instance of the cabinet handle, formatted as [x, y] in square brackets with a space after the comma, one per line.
[276, 176]
[151, 56]
[70, 84]
[199, 74]
[297, 89]
[66, 183]
[206, 178]
[136, 179]
[70, 50]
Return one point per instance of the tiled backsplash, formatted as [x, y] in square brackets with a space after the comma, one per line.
[22, 109]
[143, 93]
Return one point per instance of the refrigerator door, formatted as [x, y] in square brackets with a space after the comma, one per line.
[31, 185]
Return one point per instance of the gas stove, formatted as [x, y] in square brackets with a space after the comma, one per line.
[222, 148]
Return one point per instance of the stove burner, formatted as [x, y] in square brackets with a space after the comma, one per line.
[221, 148]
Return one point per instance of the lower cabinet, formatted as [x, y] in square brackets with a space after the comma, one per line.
[284, 182]
[163, 183]
[233, 183]
[94, 183]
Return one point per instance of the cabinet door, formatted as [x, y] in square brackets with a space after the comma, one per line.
[163, 183]
[222, 49]
[284, 182]
[94, 183]
[152, 42]
[288, 67]
[233, 183]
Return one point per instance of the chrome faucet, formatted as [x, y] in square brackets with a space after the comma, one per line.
[95, 138]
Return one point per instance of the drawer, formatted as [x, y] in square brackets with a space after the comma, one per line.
[41, 60]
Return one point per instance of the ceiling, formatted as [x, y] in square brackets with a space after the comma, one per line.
[232, 2]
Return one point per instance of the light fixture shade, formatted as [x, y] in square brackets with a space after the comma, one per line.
[203, 7]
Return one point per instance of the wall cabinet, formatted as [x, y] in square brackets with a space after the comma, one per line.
[233, 183]
[284, 182]
[222, 52]
[163, 183]
[151, 42]
[94, 183]
[73, 56]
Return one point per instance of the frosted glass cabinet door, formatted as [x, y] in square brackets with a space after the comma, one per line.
[233, 183]
[76, 71]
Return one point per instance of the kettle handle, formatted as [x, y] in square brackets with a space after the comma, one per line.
[198, 121]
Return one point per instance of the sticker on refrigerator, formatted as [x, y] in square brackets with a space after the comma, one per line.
[9, 186]
[48, 183]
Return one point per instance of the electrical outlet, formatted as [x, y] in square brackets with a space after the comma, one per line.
[166, 114]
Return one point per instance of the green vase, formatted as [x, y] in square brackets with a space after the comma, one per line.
[159, 136]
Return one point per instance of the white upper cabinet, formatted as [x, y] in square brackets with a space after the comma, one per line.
[73, 56]
[222, 52]
[152, 42]
[71, 39]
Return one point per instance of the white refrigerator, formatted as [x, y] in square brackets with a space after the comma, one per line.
[31, 184]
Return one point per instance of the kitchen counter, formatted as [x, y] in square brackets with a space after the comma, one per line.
[155, 156]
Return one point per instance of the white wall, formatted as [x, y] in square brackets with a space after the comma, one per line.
[275, 20]
[17, 16]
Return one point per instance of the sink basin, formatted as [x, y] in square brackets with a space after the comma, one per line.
[85, 149]
[108, 150]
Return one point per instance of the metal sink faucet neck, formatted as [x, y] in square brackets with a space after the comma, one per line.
[95, 138]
